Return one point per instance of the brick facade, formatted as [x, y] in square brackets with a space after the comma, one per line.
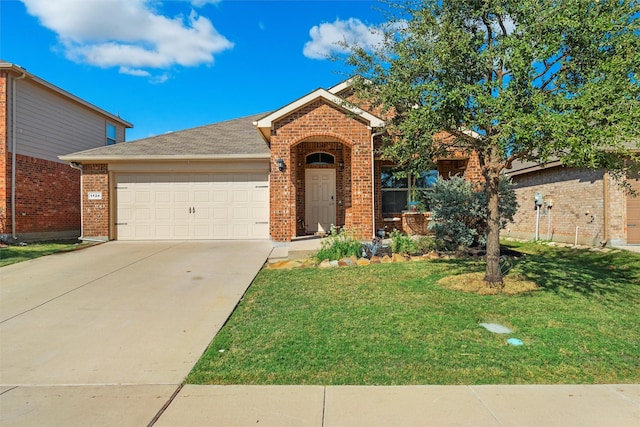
[96, 213]
[299, 134]
[583, 201]
[47, 197]
[5, 174]
[342, 166]
[47, 193]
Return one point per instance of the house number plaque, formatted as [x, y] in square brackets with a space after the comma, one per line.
[94, 195]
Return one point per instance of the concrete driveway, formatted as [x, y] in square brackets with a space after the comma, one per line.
[114, 328]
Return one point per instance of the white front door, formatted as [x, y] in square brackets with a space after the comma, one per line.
[320, 203]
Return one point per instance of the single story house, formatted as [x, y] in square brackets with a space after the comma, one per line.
[312, 163]
[39, 193]
[279, 175]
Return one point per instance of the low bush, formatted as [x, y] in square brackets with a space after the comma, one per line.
[340, 243]
[404, 244]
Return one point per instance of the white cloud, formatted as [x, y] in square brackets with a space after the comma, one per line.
[129, 34]
[134, 72]
[200, 3]
[326, 38]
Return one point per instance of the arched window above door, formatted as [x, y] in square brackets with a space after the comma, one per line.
[320, 159]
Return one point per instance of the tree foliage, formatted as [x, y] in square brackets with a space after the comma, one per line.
[511, 80]
[459, 211]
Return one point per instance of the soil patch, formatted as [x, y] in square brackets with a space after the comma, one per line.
[474, 283]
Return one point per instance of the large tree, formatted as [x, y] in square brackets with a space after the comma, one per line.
[527, 80]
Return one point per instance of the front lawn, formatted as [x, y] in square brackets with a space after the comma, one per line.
[14, 254]
[391, 324]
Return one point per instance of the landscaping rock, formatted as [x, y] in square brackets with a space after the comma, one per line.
[325, 264]
[398, 258]
[363, 261]
[386, 259]
[375, 260]
[285, 265]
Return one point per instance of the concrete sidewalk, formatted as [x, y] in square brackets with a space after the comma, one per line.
[488, 405]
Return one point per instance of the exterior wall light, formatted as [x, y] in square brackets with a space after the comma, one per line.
[280, 164]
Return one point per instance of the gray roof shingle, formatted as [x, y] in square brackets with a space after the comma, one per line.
[233, 138]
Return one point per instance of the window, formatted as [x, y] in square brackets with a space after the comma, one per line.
[397, 192]
[320, 159]
[111, 134]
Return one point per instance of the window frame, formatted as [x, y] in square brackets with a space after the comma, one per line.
[321, 156]
[111, 140]
[409, 189]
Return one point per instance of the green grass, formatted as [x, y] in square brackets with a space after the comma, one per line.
[391, 324]
[15, 254]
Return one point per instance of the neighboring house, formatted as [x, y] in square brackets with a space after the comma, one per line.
[577, 205]
[292, 172]
[39, 193]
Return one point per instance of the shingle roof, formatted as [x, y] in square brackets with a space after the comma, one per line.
[233, 138]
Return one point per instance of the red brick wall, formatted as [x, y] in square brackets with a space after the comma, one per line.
[5, 202]
[47, 196]
[96, 212]
[315, 121]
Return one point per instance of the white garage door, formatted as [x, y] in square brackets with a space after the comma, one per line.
[170, 206]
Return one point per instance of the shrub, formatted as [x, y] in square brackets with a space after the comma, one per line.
[402, 243]
[459, 211]
[425, 244]
[340, 243]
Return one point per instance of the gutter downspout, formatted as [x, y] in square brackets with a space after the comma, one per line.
[373, 182]
[14, 145]
[78, 166]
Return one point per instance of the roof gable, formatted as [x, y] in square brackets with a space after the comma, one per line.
[265, 124]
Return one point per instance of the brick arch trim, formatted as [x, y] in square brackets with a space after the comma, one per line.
[339, 138]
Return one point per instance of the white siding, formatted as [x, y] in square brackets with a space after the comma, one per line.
[49, 125]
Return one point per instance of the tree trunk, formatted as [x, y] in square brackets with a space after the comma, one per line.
[493, 275]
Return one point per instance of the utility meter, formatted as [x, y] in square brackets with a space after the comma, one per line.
[538, 199]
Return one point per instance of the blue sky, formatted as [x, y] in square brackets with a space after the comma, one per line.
[171, 65]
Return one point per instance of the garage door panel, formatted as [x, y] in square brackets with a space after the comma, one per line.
[241, 213]
[220, 195]
[181, 196]
[162, 196]
[259, 196]
[201, 196]
[241, 230]
[162, 214]
[220, 213]
[192, 206]
[260, 213]
[143, 196]
[239, 195]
